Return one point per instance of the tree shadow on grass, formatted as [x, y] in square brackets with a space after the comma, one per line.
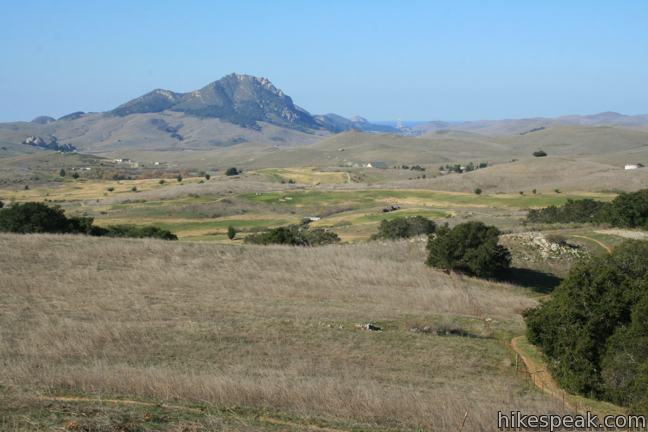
[538, 281]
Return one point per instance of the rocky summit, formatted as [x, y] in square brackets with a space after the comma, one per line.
[240, 99]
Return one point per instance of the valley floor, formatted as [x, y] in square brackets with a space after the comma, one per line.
[199, 209]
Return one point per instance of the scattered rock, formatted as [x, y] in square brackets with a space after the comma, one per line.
[334, 326]
[424, 329]
[391, 208]
[548, 246]
[443, 329]
[369, 327]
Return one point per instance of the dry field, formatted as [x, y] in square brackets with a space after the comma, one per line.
[257, 338]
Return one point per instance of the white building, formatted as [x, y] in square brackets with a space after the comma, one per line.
[633, 166]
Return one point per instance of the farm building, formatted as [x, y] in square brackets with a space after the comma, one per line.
[633, 166]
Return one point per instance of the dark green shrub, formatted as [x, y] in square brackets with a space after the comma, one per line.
[594, 329]
[319, 237]
[232, 171]
[580, 211]
[404, 227]
[294, 235]
[231, 232]
[134, 231]
[75, 175]
[471, 248]
[280, 235]
[33, 217]
[539, 153]
[628, 210]
[62, 172]
[478, 191]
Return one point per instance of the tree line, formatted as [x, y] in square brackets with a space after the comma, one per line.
[594, 329]
[627, 210]
[34, 217]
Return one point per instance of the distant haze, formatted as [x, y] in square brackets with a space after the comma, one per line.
[442, 60]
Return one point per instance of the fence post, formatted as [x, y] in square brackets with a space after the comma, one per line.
[517, 356]
[463, 422]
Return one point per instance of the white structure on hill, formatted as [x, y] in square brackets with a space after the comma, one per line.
[633, 166]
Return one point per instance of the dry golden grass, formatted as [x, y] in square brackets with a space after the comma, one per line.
[265, 328]
[81, 190]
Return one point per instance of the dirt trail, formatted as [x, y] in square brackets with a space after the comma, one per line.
[263, 418]
[540, 377]
[543, 380]
[600, 243]
[625, 233]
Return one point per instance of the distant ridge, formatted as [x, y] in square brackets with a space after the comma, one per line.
[523, 126]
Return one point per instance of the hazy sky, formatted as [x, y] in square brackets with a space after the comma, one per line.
[449, 60]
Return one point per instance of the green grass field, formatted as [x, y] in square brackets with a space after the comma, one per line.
[360, 197]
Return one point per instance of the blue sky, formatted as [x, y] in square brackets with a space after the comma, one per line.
[415, 60]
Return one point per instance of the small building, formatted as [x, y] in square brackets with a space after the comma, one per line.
[633, 166]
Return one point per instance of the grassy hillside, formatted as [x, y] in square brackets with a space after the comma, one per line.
[103, 134]
[607, 145]
[251, 336]
[582, 142]
[351, 148]
[545, 175]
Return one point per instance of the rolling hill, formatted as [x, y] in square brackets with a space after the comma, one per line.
[529, 125]
[607, 145]
[544, 175]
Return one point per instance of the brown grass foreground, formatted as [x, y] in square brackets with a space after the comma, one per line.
[264, 328]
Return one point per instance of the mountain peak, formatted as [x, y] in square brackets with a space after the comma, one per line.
[244, 100]
[236, 98]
